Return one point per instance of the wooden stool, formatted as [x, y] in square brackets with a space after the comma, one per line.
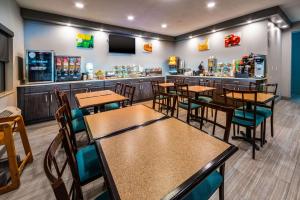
[8, 126]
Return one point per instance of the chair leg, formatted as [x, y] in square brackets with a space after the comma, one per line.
[265, 130]
[234, 130]
[253, 143]
[177, 112]
[238, 129]
[272, 125]
[262, 134]
[221, 188]
[153, 103]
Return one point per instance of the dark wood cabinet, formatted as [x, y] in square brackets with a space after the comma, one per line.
[38, 102]
[36, 106]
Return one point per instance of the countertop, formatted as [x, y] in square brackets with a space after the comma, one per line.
[218, 77]
[87, 81]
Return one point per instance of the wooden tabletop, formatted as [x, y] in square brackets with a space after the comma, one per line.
[261, 97]
[166, 85]
[200, 89]
[106, 123]
[156, 161]
[90, 99]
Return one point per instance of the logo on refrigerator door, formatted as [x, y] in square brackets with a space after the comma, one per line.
[31, 55]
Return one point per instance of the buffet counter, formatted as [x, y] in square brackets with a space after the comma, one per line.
[38, 103]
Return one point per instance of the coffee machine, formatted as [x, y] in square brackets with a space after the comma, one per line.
[260, 66]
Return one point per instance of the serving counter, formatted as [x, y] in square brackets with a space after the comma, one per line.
[38, 103]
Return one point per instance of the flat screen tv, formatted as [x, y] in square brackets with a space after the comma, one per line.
[121, 44]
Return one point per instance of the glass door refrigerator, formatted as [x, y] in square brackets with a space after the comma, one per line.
[39, 66]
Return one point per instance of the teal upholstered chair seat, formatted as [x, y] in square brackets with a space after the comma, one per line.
[78, 125]
[77, 113]
[206, 188]
[266, 112]
[88, 163]
[205, 99]
[103, 196]
[111, 106]
[261, 110]
[185, 104]
[238, 114]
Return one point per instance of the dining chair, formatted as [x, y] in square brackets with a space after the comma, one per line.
[128, 92]
[216, 179]
[165, 101]
[57, 171]
[75, 112]
[245, 113]
[76, 125]
[119, 89]
[178, 81]
[182, 93]
[86, 156]
[208, 95]
[266, 110]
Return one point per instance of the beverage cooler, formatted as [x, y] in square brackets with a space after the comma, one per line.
[67, 68]
[39, 66]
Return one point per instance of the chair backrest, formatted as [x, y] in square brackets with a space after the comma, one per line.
[244, 101]
[64, 121]
[264, 87]
[55, 171]
[169, 102]
[179, 80]
[129, 93]
[207, 83]
[56, 92]
[182, 92]
[119, 88]
[65, 101]
[217, 108]
[155, 87]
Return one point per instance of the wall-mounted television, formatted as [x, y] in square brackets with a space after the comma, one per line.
[121, 44]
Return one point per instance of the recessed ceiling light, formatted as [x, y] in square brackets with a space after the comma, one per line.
[190, 37]
[139, 36]
[130, 18]
[79, 5]
[164, 25]
[279, 21]
[211, 4]
[68, 24]
[284, 26]
[101, 30]
[249, 21]
[213, 31]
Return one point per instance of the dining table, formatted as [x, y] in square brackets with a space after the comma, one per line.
[153, 156]
[98, 98]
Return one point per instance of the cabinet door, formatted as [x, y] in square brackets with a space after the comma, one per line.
[36, 106]
[146, 91]
[137, 92]
[72, 96]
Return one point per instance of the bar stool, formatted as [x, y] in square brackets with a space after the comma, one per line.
[7, 127]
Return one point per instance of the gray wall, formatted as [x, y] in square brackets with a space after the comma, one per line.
[10, 17]
[254, 39]
[61, 39]
[286, 60]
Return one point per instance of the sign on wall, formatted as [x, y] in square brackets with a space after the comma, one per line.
[84, 40]
[232, 40]
[204, 45]
[148, 47]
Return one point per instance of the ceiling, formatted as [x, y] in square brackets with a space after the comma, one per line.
[182, 16]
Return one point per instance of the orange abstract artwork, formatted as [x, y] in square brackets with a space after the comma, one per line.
[203, 46]
[148, 47]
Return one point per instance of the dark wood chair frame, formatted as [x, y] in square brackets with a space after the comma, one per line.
[68, 117]
[164, 100]
[50, 162]
[265, 88]
[129, 91]
[244, 106]
[119, 88]
[182, 93]
[229, 114]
